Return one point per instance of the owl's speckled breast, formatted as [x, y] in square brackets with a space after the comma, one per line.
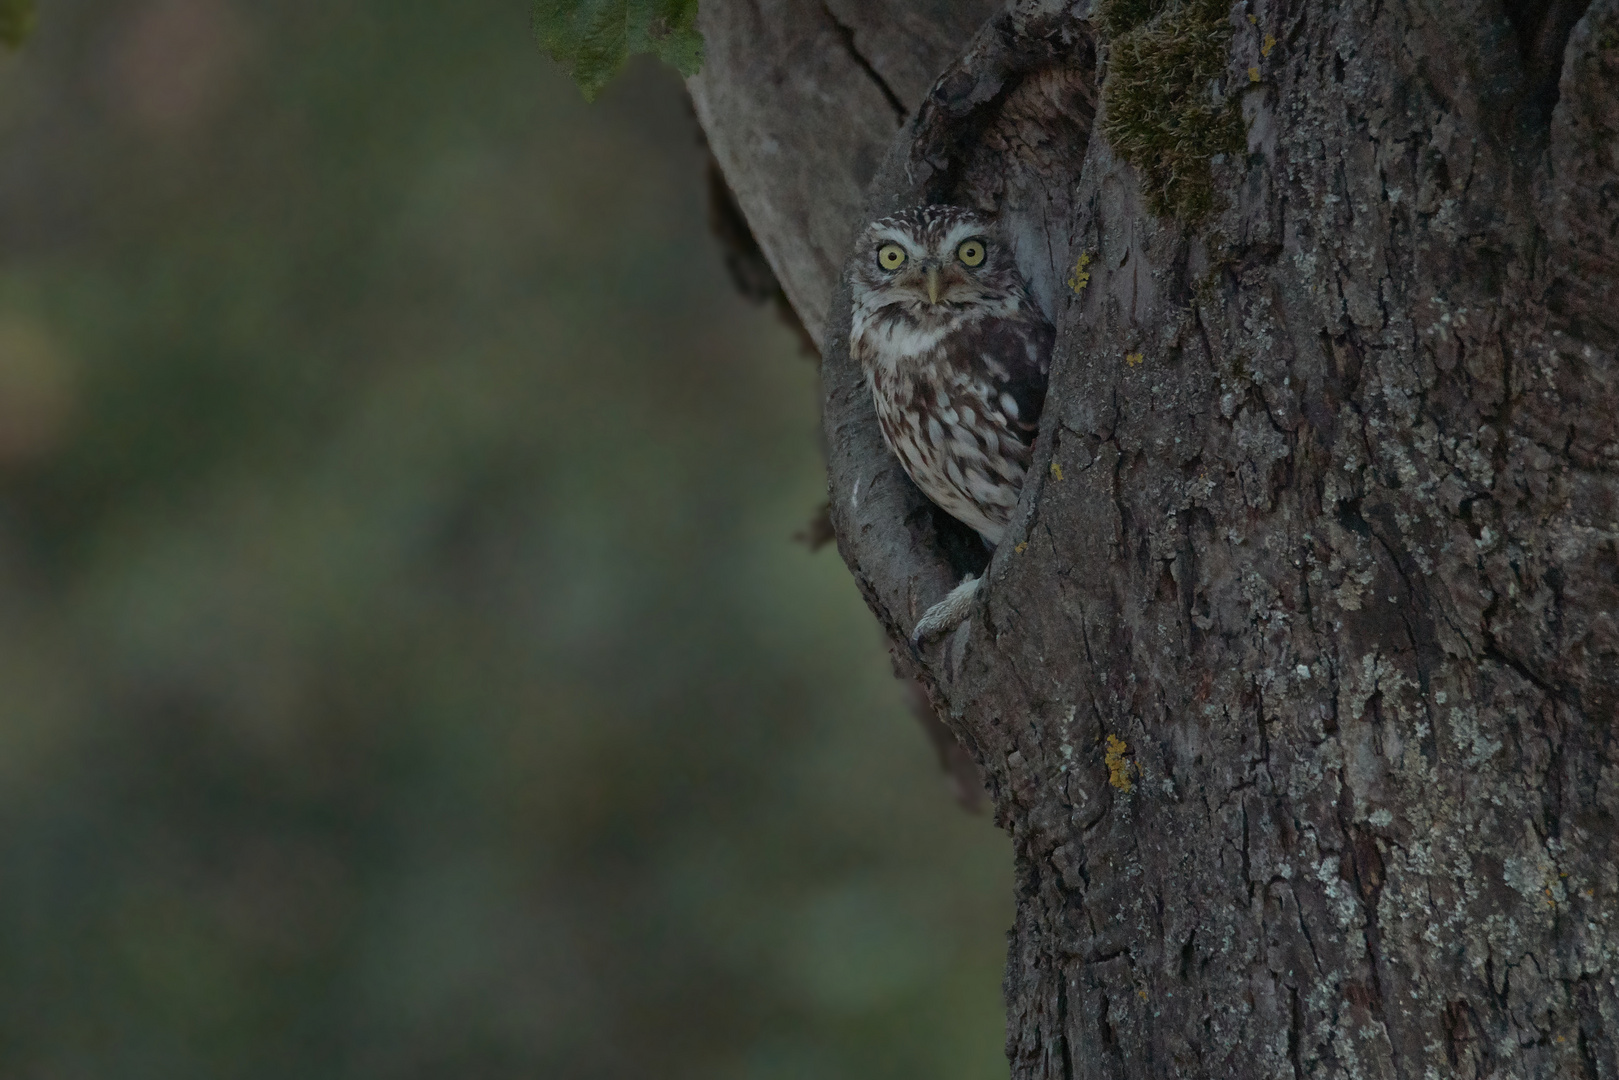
[952, 427]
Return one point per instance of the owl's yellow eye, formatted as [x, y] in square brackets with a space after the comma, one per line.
[971, 252]
[891, 256]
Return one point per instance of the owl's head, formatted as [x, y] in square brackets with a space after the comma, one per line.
[933, 257]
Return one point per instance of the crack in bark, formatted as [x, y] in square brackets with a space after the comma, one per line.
[846, 35]
[1295, 1033]
[1062, 1023]
[1368, 890]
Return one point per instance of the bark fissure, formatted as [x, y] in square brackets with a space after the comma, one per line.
[1061, 1038]
[846, 35]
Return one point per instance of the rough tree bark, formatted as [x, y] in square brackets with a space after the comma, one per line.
[1295, 683]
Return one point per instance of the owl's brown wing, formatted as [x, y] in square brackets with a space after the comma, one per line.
[1012, 356]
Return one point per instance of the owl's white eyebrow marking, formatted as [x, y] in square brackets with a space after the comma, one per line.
[963, 230]
[893, 236]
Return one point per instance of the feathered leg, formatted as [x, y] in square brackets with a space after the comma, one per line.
[948, 613]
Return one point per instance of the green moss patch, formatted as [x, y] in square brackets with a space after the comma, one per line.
[1161, 112]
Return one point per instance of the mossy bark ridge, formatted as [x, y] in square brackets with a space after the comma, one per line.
[1168, 112]
[1295, 680]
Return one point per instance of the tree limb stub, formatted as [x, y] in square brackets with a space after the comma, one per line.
[1295, 682]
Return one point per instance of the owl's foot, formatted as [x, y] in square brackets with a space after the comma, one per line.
[948, 613]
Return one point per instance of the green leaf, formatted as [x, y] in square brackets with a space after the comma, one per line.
[593, 38]
[16, 20]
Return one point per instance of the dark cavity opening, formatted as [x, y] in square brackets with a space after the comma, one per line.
[1542, 28]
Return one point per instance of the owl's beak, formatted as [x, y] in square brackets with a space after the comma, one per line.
[933, 284]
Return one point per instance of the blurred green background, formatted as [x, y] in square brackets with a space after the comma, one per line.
[405, 669]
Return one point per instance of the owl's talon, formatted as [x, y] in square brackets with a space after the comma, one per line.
[948, 613]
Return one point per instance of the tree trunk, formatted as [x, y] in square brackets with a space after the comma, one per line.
[1295, 681]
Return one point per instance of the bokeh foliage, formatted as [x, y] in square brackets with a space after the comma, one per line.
[593, 38]
[404, 669]
[16, 20]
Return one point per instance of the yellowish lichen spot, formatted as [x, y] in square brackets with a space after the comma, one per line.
[1118, 766]
[1021, 546]
[1081, 277]
[1254, 19]
[1253, 74]
[1056, 471]
[1133, 359]
[1270, 43]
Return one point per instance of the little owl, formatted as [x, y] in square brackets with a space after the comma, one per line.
[956, 354]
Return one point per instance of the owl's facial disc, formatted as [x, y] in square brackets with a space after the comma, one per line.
[926, 268]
